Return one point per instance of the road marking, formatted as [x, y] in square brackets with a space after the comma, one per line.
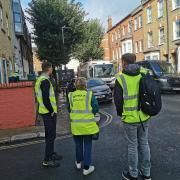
[109, 119]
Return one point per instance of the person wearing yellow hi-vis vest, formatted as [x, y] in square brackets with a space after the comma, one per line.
[135, 121]
[82, 107]
[47, 107]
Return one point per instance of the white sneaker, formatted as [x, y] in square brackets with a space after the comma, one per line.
[78, 165]
[89, 171]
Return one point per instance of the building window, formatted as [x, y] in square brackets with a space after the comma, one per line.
[123, 31]
[117, 55]
[130, 27]
[113, 55]
[175, 4]
[140, 21]
[119, 52]
[176, 29]
[7, 26]
[1, 16]
[136, 24]
[112, 37]
[136, 47]
[119, 33]
[149, 15]
[161, 36]
[140, 46]
[160, 8]
[150, 39]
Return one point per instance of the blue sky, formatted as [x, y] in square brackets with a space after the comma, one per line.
[101, 9]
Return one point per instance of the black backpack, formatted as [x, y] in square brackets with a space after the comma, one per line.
[149, 95]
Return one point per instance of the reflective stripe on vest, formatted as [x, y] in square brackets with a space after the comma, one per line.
[83, 120]
[87, 111]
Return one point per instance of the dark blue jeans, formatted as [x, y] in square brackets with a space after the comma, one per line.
[83, 149]
[50, 134]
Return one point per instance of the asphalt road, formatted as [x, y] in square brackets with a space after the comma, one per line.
[109, 153]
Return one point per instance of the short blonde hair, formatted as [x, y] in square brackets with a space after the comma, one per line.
[81, 83]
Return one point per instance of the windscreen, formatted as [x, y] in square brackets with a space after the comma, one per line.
[163, 68]
[94, 82]
[104, 70]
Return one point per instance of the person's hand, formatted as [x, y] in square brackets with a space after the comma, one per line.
[53, 113]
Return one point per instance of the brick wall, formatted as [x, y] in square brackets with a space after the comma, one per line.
[17, 105]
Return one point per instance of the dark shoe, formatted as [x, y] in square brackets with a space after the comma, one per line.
[50, 163]
[127, 176]
[145, 177]
[57, 157]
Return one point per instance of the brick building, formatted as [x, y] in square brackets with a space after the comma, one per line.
[155, 29]
[151, 31]
[138, 40]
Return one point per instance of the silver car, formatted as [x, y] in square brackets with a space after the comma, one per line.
[100, 89]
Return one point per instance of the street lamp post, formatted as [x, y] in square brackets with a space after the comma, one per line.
[62, 31]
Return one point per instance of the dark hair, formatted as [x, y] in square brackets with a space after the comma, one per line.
[46, 66]
[129, 58]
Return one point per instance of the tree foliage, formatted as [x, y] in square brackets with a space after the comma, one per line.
[90, 48]
[48, 17]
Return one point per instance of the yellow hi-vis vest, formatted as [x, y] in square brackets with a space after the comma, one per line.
[42, 108]
[82, 119]
[130, 86]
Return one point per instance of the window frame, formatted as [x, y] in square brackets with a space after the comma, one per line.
[173, 5]
[136, 24]
[150, 44]
[1, 17]
[175, 29]
[140, 19]
[160, 10]
[160, 37]
[149, 15]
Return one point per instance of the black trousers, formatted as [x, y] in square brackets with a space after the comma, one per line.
[50, 134]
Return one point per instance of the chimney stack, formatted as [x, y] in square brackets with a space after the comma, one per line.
[109, 22]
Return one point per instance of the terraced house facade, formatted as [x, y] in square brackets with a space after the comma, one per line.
[151, 31]
[15, 42]
[6, 40]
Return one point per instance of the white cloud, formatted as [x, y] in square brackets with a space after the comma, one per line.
[117, 9]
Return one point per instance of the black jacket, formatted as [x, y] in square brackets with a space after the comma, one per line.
[131, 70]
[45, 88]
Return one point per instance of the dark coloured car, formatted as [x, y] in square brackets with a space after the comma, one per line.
[100, 89]
[164, 73]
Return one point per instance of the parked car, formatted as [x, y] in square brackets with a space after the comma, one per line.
[164, 73]
[100, 89]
